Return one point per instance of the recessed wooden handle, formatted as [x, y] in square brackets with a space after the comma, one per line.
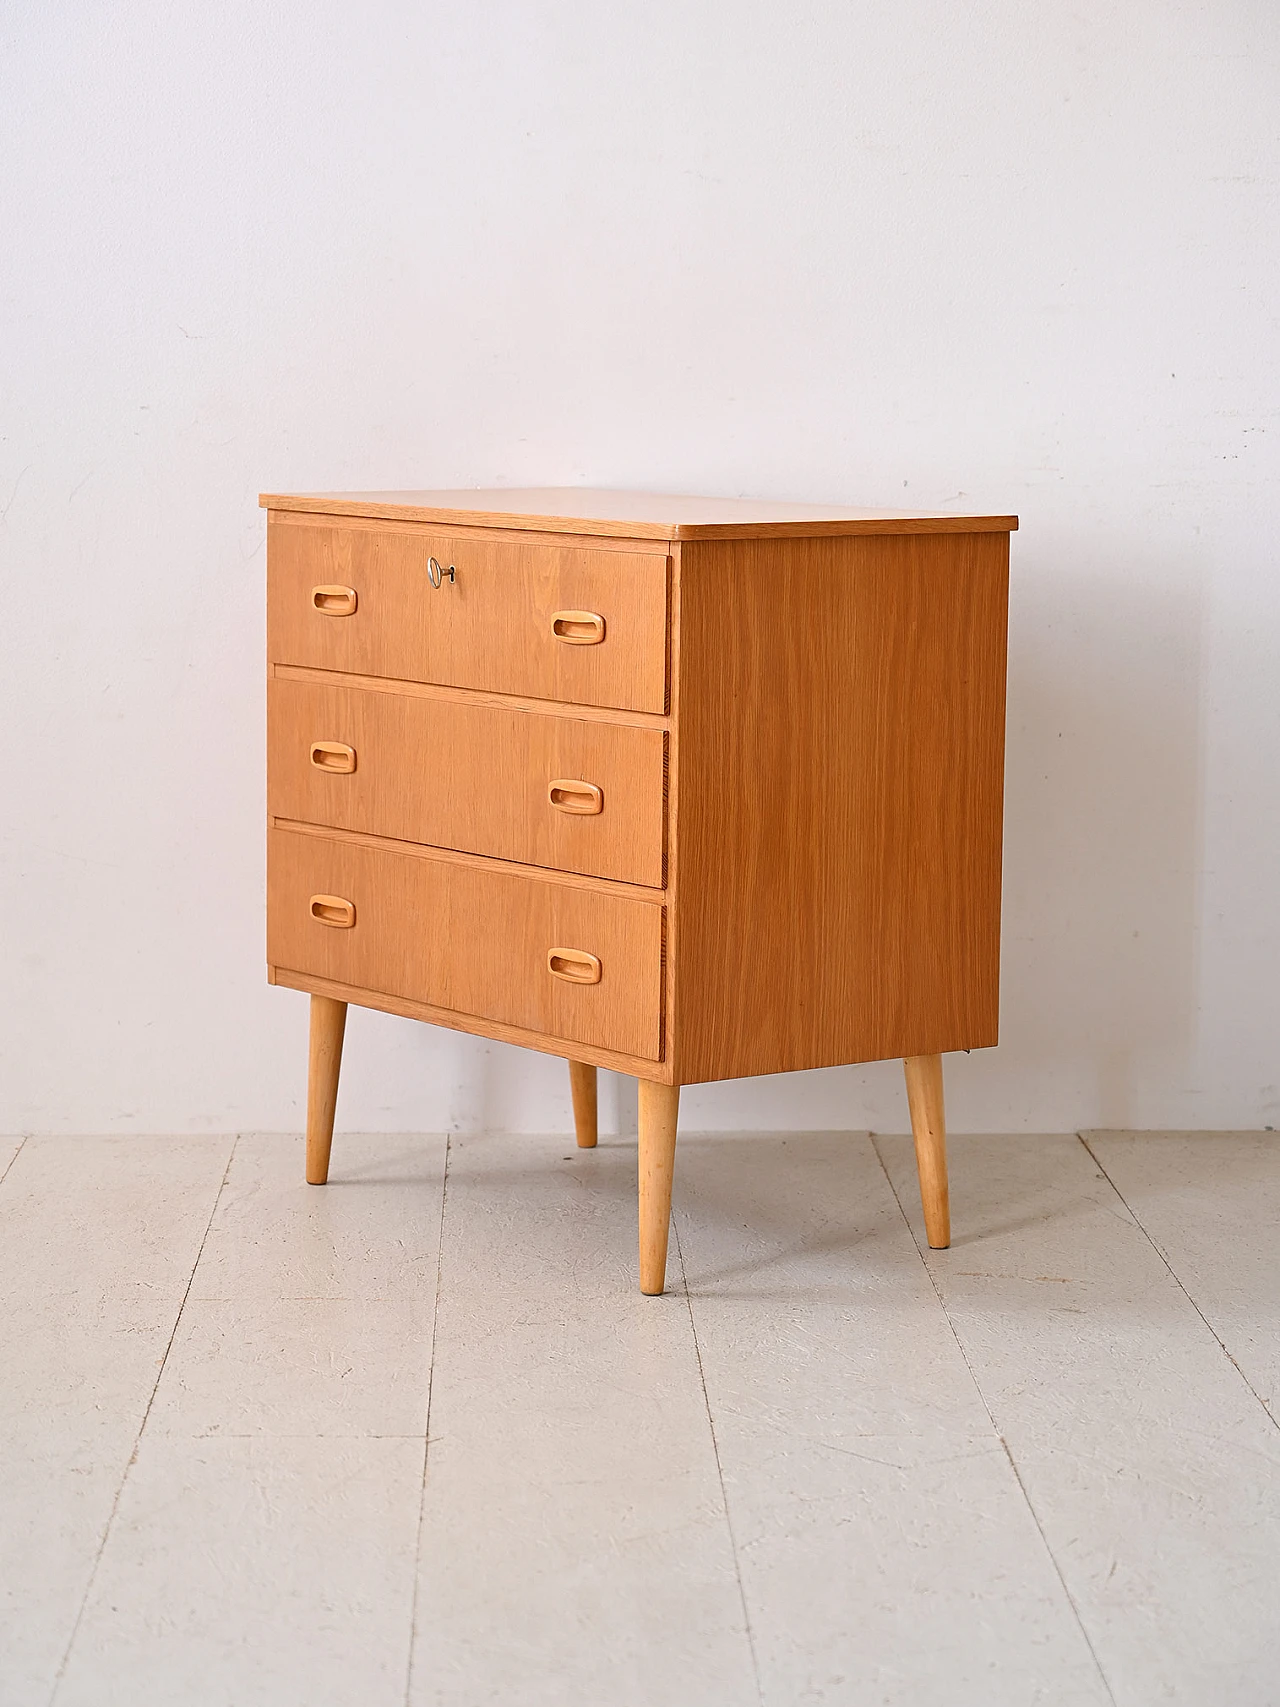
[574, 965]
[333, 756]
[578, 627]
[580, 798]
[333, 910]
[334, 601]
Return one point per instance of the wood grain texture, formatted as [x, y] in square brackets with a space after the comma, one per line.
[502, 533]
[468, 696]
[671, 936]
[470, 939]
[835, 876]
[448, 856]
[824, 715]
[638, 1067]
[491, 629]
[639, 515]
[324, 1064]
[929, 1128]
[659, 1110]
[467, 776]
[583, 1087]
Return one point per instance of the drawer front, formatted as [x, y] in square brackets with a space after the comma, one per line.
[540, 788]
[545, 621]
[471, 940]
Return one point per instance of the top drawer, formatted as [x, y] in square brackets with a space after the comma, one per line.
[545, 621]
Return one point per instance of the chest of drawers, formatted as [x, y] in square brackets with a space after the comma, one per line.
[689, 788]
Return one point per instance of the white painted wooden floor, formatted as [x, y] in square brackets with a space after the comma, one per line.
[827, 1467]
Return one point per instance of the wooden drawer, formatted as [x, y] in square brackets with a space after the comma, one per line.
[467, 938]
[544, 621]
[475, 777]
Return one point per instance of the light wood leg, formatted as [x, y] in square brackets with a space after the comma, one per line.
[928, 1124]
[582, 1082]
[328, 1022]
[659, 1108]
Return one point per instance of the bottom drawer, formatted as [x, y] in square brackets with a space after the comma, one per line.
[468, 938]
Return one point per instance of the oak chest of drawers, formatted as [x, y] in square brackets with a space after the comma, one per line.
[690, 788]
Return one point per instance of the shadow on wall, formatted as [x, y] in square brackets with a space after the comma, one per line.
[507, 1082]
[1103, 844]
[1103, 833]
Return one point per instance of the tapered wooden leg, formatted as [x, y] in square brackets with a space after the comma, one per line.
[659, 1107]
[328, 1022]
[582, 1082]
[928, 1124]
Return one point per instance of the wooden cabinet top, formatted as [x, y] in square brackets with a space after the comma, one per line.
[634, 515]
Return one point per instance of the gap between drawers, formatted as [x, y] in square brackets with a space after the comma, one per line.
[454, 856]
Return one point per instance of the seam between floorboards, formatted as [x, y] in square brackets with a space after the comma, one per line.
[133, 1456]
[997, 1431]
[426, 1431]
[1137, 1221]
[22, 1144]
[715, 1447]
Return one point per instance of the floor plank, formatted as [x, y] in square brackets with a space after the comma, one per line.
[1152, 1469]
[574, 1543]
[372, 1233]
[853, 1530]
[1211, 1203]
[887, 1551]
[254, 1573]
[98, 1240]
[311, 1309]
[308, 1330]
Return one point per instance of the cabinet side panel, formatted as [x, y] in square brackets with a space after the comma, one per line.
[841, 741]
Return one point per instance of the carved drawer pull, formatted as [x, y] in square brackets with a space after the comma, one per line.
[333, 910]
[580, 798]
[333, 756]
[574, 965]
[578, 627]
[334, 601]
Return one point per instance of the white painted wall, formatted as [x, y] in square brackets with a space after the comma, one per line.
[994, 255]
